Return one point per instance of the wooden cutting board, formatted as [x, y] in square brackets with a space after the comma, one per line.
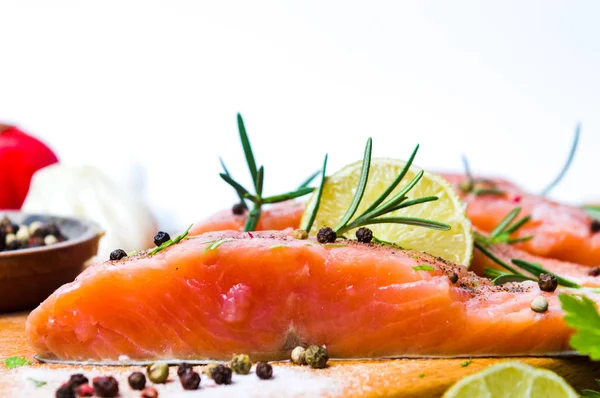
[390, 378]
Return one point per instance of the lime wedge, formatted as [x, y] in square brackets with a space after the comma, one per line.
[455, 245]
[512, 379]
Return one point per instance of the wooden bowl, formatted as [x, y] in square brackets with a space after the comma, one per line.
[29, 276]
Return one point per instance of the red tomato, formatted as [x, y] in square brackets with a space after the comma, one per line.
[21, 156]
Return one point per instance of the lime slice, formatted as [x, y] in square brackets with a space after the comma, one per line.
[455, 245]
[511, 379]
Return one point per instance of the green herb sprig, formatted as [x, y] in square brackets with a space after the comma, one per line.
[170, 242]
[478, 186]
[382, 205]
[501, 234]
[258, 178]
[567, 165]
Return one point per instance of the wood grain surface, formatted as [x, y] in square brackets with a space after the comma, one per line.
[390, 378]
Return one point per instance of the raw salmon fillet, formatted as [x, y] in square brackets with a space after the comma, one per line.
[266, 293]
[276, 217]
[560, 231]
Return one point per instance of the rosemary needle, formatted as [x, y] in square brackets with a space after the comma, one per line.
[566, 166]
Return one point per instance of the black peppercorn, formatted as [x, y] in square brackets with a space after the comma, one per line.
[161, 237]
[2, 240]
[190, 380]
[547, 282]
[364, 235]
[326, 235]
[264, 370]
[453, 277]
[77, 379]
[594, 271]
[106, 387]
[184, 368]
[65, 391]
[239, 208]
[117, 254]
[222, 375]
[137, 380]
[595, 226]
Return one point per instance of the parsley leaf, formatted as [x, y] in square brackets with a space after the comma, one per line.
[423, 267]
[15, 362]
[582, 315]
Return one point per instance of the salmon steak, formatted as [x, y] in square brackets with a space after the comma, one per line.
[263, 293]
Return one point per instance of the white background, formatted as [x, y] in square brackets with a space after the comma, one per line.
[159, 83]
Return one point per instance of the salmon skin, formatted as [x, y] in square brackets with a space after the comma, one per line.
[559, 231]
[264, 293]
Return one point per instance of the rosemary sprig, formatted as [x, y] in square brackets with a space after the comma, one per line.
[566, 166]
[258, 178]
[473, 185]
[380, 207]
[315, 209]
[501, 234]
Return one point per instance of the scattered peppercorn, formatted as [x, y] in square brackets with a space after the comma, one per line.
[364, 235]
[298, 355]
[326, 235]
[158, 372]
[264, 370]
[241, 364]
[78, 379]
[316, 356]
[300, 234]
[210, 368]
[65, 391]
[594, 271]
[595, 226]
[161, 237]
[190, 380]
[183, 368]
[539, 304]
[453, 277]
[547, 282]
[137, 380]
[117, 254]
[221, 374]
[149, 392]
[239, 208]
[106, 386]
[84, 390]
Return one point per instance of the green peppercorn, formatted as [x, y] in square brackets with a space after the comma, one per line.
[300, 234]
[241, 364]
[316, 356]
[539, 304]
[158, 372]
[298, 355]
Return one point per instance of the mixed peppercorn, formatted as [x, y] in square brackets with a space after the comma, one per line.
[14, 236]
[314, 356]
[158, 373]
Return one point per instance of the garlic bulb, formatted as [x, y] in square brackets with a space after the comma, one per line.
[86, 192]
